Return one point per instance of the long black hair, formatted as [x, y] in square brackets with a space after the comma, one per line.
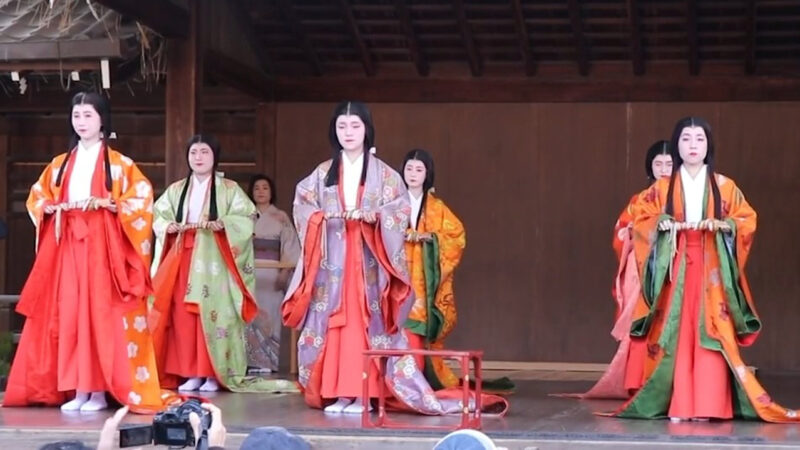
[658, 148]
[212, 142]
[677, 162]
[426, 159]
[101, 106]
[255, 179]
[349, 108]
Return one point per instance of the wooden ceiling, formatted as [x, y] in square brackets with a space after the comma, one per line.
[328, 37]
[475, 50]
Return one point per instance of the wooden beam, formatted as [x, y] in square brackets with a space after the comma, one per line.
[137, 100]
[61, 50]
[750, 41]
[672, 87]
[403, 13]
[265, 140]
[163, 17]
[183, 93]
[358, 41]
[524, 37]
[221, 67]
[526, 90]
[287, 11]
[247, 29]
[672, 84]
[475, 63]
[581, 50]
[140, 125]
[49, 66]
[637, 47]
[693, 52]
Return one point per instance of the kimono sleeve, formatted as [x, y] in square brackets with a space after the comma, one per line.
[135, 210]
[452, 241]
[41, 194]
[290, 245]
[239, 222]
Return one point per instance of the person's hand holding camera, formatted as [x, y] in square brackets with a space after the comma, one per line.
[109, 430]
[217, 432]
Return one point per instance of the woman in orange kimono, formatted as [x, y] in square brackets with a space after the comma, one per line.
[624, 372]
[85, 298]
[692, 234]
[435, 241]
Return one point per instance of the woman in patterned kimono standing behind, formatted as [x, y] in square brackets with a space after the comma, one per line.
[275, 242]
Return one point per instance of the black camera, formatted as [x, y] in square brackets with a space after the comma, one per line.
[170, 427]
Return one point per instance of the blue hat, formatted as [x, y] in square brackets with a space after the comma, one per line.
[465, 440]
[273, 438]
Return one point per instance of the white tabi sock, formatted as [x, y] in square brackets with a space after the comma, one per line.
[356, 407]
[76, 403]
[191, 384]
[210, 385]
[339, 406]
[96, 402]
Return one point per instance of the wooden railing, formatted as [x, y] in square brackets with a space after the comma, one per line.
[7, 299]
[7, 302]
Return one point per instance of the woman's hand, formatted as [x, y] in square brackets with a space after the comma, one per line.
[721, 225]
[216, 225]
[369, 216]
[106, 203]
[666, 225]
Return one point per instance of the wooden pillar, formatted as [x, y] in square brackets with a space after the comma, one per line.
[266, 139]
[5, 309]
[183, 112]
[4, 132]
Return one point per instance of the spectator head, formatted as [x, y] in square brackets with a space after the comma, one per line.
[65, 445]
[465, 440]
[273, 438]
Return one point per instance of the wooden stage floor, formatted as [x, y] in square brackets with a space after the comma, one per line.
[535, 420]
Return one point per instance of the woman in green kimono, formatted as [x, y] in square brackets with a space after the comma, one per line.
[204, 278]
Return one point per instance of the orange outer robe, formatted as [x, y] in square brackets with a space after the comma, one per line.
[84, 300]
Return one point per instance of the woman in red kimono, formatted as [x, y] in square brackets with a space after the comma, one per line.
[84, 300]
[624, 372]
[627, 285]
